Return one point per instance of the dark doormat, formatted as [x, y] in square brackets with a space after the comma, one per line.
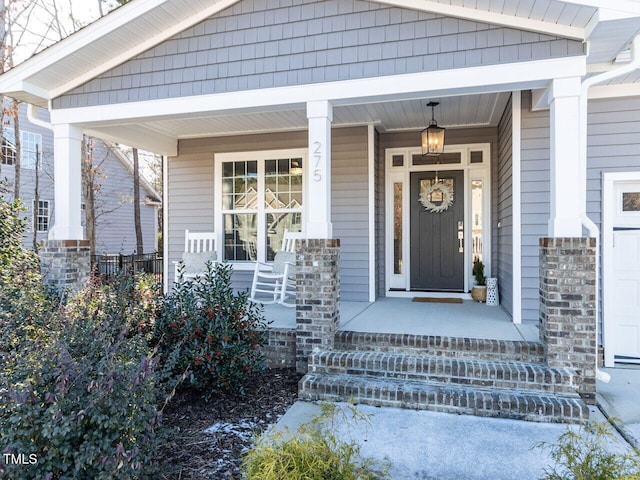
[436, 300]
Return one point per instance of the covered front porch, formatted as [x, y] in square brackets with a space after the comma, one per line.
[325, 138]
[391, 315]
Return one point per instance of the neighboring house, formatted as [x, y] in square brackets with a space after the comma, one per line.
[277, 114]
[115, 230]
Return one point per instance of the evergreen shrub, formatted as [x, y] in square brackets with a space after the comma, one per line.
[214, 332]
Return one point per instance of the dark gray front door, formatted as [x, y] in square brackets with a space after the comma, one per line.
[437, 259]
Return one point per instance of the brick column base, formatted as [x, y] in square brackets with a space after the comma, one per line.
[567, 307]
[65, 264]
[317, 297]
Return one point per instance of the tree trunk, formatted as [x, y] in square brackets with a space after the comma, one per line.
[16, 132]
[36, 200]
[136, 203]
[88, 191]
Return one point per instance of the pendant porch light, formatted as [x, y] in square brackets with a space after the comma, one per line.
[433, 135]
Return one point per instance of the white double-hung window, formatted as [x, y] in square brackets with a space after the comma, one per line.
[41, 215]
[259, 195]
[30, 148]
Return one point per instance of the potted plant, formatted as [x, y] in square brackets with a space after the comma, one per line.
[479, 290]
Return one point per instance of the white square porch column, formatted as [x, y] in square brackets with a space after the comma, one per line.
[67, 145]
[565, 219]
[318, 204]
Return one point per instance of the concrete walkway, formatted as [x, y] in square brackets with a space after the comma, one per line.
[620, 400]
[437, 446]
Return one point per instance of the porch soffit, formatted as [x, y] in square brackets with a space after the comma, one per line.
[139, 25]
[464, 111]
[471, 97]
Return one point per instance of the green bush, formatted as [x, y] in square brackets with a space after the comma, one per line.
[79, 382]
[586, 455]
[313, 453]
[214, 333]
[22, 293]
[478, 272]
[81, 391]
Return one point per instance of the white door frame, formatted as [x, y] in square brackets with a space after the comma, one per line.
[610, 189]
[399, 285]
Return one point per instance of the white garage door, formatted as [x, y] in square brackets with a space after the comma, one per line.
[626, 293]
[621, 235]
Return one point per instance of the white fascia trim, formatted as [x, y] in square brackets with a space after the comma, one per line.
[495, 18]
[516, 198]
[142, 47]
[96, 30]
[26, 86]
[481, 79]
[614, 91]
[371, 132]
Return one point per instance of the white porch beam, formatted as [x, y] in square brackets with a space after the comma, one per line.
[458, 81]
[318, 204]
[137, 136]
[566, 206]
[67, 141]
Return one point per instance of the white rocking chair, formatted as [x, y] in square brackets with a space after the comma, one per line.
[199, 248]
[277, 281]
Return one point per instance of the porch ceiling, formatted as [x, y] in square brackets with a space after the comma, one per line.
[478, 110]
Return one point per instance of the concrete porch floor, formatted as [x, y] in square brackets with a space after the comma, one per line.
[400, 315]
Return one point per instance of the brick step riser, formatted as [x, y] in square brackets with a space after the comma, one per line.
[451, 347]
[502, 404]
[432, 369]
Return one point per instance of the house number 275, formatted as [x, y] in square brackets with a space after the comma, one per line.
[317, 157]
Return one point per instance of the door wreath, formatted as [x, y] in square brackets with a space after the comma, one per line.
[447, 197]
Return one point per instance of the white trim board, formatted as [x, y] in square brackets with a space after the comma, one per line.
[371, 132]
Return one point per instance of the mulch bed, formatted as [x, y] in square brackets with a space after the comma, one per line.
[209, 438]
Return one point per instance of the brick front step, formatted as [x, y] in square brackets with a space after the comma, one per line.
[458, 347]
[445, 370]
[443, 398]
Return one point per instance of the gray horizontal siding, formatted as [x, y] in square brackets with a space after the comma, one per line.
[505, 210]
[191, 197]
[257, 44]
[350, 209]
[535, 201]
[115, 226]
[28, 175]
